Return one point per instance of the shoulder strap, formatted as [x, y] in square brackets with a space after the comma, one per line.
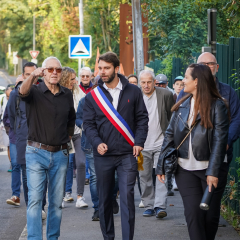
[186, 135]
[17, 113]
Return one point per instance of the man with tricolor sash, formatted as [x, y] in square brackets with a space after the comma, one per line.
[115, 121]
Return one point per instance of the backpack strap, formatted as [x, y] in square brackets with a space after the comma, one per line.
[17, 113]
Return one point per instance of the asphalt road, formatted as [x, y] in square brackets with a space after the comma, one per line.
[77, 224]
[12, 219]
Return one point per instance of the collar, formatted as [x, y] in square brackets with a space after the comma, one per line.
[154, 92]
[119, 86]
[44, 87]
[90, 85]
[122, 78]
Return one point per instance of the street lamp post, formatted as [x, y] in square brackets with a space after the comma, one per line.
[137, 36]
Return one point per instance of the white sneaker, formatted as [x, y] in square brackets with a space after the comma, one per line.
[44, 215]
[175, 187]
[80, 203]
[63, 204]
[68, 197]
[141, 205]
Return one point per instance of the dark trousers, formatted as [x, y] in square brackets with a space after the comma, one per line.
[169, 182]
[126, 166]
[202, 225]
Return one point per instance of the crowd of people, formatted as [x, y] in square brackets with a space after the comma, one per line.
[102, 127]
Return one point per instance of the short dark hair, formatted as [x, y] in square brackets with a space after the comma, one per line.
[133, 75]
[110, 57]
[29, 64]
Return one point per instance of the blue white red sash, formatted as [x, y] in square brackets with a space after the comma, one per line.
[113, 116]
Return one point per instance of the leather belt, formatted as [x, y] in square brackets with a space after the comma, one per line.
[47, 147]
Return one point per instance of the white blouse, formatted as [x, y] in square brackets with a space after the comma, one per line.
[191, 163]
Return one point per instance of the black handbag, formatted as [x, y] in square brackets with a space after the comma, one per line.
[170, 158]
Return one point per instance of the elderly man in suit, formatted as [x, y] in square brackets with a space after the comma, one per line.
[159, 102]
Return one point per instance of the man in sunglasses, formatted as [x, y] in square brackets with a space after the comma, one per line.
[51, 121]
[229, 94]
[162, 81]
[85, 78]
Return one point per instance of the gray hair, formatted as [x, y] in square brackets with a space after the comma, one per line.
[48, 58]
[147, 72]
[86, 69]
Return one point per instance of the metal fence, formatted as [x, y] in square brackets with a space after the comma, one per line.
[229, 65]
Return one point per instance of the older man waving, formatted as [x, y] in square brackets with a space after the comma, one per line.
[51, 120]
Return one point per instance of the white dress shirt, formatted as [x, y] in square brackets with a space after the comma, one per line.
[115, 92]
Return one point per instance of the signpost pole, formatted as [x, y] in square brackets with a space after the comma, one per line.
[137, 36]
[34, 33]
[81, 32]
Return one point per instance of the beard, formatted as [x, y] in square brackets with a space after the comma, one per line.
[110, 79]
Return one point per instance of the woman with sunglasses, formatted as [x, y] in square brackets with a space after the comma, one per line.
[202, 153]
[68, 80]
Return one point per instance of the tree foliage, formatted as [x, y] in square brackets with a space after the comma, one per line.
[179, 27]
[55, 21]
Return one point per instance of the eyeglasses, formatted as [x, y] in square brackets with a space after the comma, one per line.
[85, 76]
[209, 64]
[51, 70]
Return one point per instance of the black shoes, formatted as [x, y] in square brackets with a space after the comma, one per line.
[115, 207]
[95, 216]
[170, 193]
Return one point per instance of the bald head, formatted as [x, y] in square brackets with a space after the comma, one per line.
[206, 57]
[210, 60]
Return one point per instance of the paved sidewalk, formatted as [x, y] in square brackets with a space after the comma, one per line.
[77, 224]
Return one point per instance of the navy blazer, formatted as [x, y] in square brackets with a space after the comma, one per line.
[228, 93]
[85, 144]
[99, 129]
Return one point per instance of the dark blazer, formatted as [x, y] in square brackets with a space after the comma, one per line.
[207, 144]
[99, 129]
[228, 93]
[85, 144]
[18, 122]
[165, 102]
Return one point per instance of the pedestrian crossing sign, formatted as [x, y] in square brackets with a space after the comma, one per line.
[80, 46]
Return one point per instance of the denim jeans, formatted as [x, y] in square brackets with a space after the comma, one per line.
[16, 174]
[69, 180]
[43, 165]
[92, 180]
[87, 168]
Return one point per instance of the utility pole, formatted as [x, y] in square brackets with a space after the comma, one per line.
[34, 33]
[137, 37]
[81, 31]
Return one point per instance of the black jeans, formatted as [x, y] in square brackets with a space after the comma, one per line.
[202, 225]
[126, 166]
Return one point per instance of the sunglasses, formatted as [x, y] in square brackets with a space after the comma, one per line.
[83, 76]
[51, 70]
